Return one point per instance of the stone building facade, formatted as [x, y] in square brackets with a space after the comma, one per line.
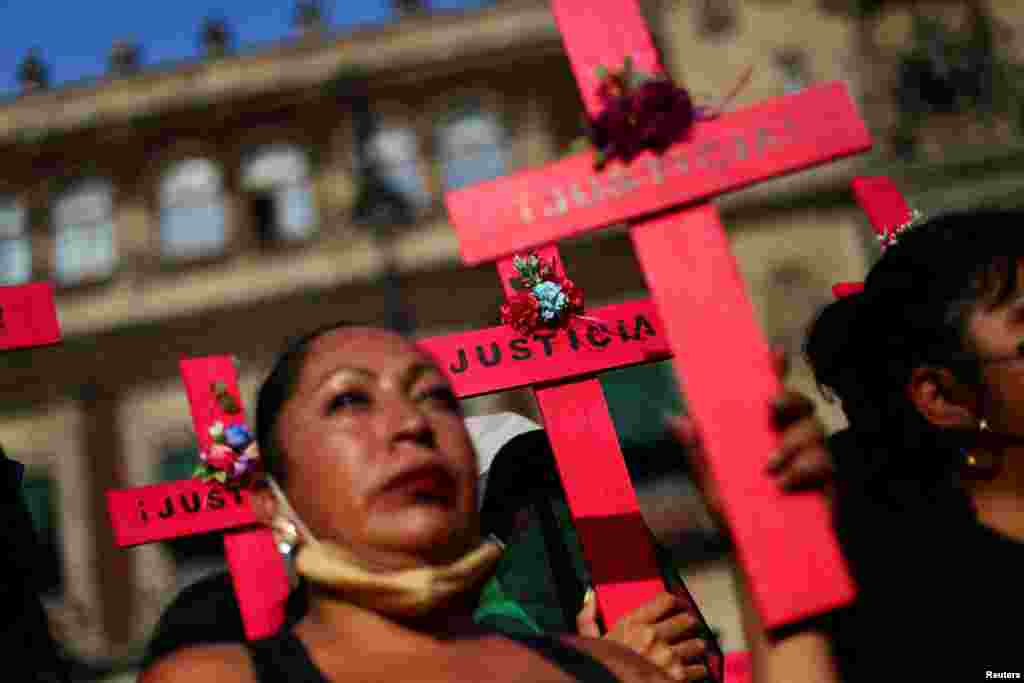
[206, 207]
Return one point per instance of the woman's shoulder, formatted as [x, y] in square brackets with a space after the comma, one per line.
[222, 662]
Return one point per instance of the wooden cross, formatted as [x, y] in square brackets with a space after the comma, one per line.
[722, 360]
[561, 373]
[184, 508]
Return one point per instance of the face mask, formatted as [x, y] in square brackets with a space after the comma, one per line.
[406, 592]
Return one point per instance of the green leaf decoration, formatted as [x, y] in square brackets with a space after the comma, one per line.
[517, 284]
[638, 78]
[580, 144]
[601, 72]
[199, 471]
[221, 476]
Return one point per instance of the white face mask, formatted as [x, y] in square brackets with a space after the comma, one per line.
[407, 592]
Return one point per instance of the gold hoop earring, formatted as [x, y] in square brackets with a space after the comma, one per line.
[980, 462]
[286, 538]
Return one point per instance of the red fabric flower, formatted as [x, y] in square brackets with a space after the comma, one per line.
[574, 294]
[664, 113]
[522, 312]
[221, 457]
[651, 114]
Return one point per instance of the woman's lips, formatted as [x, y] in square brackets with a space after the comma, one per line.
[429, 483]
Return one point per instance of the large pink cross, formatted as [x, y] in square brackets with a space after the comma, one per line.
[722, 360]
[175, 509]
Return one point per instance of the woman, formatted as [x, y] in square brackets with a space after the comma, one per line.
[375, 466]
[928, 362]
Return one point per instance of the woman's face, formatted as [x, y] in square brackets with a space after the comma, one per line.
[379, 459]
[997, 333]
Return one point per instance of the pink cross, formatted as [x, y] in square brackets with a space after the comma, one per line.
[172, 510]
[785, 543]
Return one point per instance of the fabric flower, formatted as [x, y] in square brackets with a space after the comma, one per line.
[664, 113]
[216, 432]
[247, 461]
[221, 458]
[237, 436]
[573, 295]
[550, 299]
[522, 312]
[641, 111]
[251, 453]
[613, 131]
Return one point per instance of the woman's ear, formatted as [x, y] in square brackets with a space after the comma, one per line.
[941, 399]
[264, 505]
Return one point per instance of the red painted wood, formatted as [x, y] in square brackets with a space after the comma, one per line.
[882, 201]
[604, 37]
[538, 206]
[28, 316]
[738, 667]
[710, 317]
[135, 513]
[259, 578]
[552, 360]
[615, 540]
[172, 510]
[199, 375]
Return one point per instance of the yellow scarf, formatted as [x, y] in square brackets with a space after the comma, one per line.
[406, 592]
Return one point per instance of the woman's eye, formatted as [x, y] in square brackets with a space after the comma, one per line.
[347, 400]
[442, 396]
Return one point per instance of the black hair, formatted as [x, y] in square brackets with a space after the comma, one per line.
[276, 389]
[522, 472]
[913, 312]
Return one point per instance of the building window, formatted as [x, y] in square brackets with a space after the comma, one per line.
[396, 154]
[192, 210]
[279, 194]
[194, 556]
[472, 147]
[84, 233]
[39, 492]
[15, 246]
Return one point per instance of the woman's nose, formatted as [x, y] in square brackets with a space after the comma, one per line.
[410, 423]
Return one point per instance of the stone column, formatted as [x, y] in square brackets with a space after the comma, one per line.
[79, 619]
[143, 416]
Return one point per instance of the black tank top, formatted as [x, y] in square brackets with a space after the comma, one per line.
[282, 658]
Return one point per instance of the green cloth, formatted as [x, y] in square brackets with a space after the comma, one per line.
[523, 595]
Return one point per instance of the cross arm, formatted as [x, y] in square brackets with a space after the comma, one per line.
[182, 508]
[568, 197]
[28, 316]
[499, 358]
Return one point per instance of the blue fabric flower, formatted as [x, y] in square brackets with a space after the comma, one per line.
[237, 436]
[551, 298]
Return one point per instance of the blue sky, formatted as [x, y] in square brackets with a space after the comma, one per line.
[75, 35]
